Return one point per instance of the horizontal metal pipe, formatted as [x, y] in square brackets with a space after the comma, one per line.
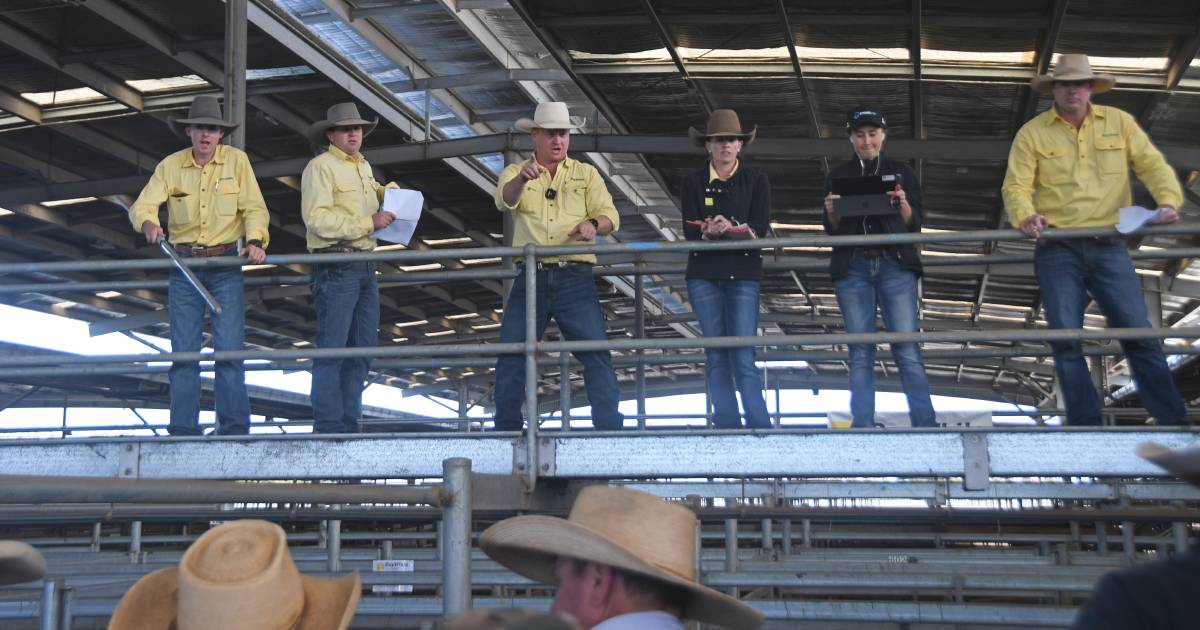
[815, 240]
[38, 490]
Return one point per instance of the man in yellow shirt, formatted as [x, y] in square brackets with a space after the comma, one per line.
[213, 201]
[556, 201]
[340, 206]
[1069, 167]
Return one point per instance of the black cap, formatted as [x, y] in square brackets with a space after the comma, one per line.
[860, 116]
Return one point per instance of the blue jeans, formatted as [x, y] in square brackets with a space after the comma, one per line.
[568, 294]
[729, 308]
[881, 280]
[185, 311]
[1067, 272]
[346, 298]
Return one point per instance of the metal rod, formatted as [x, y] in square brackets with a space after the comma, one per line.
[564, 389]
[731, 545]
[1101, 538]
[639, 332]
[333, 547]
[530, 349]
[190, 276]
[66, 617]
[135, 542]
[36, 489]
[1179, 536]
[456, 536]
[49, 607]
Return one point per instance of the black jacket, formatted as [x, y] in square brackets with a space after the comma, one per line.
[745, 197]
[1160, 595]
[910, 259]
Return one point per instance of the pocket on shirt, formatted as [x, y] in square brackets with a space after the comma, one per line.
[574, 203]
[1110, 156]
[343, 187]
[1054, 165]
[227, 197]
[179, 211]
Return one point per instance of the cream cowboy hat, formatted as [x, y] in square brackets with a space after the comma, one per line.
[20, 563]
[552, 115]
[340, 115]
[627, 530]
[205, 110]
[1183, 463]
[1073, 68]
[238, 576]
[724, 123]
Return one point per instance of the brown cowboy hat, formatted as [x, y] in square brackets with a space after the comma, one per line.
[1073, 68]
[340, 115]
[724, 123]
[627, 530]
[238, 576]
[205, 110]
[508, 619]
[551, 115]
[19, 563]
[1183, 463]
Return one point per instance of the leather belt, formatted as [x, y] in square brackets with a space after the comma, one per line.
[203, 251]
[556, 264]
[870, 252]
[336, 250]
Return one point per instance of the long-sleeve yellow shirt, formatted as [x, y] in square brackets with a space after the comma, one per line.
[580, 195]
[338, 195]
[1080, 177]
[214, 204]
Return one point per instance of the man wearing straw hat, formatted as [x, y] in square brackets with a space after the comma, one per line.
[555, 200]
[238, 576]
[622, 560]
[1069, 167]
[339, 203]
[213, 201]
[1163, 595]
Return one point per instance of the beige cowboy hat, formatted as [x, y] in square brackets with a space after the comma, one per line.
[20, 563]
[724, 123]
[1183, 463]
[340, 115]
[1073, 68]
[238, 576]
[627, 530]
[552, 115]
[508, 619]
[205, 110]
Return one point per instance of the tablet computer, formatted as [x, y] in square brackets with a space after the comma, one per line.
[864, 196]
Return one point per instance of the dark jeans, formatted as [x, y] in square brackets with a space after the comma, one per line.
[567, 294]
[729, 308]
[346, 298]
[185, 310]
[881, 280]
[1067, 272]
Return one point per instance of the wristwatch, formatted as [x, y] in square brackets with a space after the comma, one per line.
[255, 242]
[595, 224]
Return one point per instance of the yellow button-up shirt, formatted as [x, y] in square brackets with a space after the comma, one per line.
[338, 195]
[214, 204]
[581, 195]
[1080, 177]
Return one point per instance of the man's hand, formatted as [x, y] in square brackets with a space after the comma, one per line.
[530, 170]
[382, 219]
[1034, 226]
[253, 254]
[152, 231]
[716, 225]
[829, 203]
[1169, 215]
[585, 231]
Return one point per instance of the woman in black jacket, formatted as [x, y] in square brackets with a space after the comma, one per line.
[881, 274]
[723, 200]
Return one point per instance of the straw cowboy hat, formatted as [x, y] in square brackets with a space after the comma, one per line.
[627, 530]
[1183, 463]
[19, 563]
[1073, 68]
[340, 115]
[508, 619]
[723, 123]
[238, 576]
[205, 110]
[552, 115]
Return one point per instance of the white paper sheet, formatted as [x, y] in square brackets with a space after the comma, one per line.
[406, 206]
[1134, 217]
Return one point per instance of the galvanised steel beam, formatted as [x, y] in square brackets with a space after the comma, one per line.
[86, 74]
[18, 106]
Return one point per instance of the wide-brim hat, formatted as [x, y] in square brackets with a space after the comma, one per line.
[1073, 68]
[238, 576]
[19, 563]
[340, 115]
[1183, 463]
[723, 123]
[626, 529]
[552, 115]
[205, 110]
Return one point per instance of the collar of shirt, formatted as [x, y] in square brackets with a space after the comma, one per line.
[712, 171]
[342, 155]
[560, 173]
[1094, 111]
[218, 157]
[652, 620]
